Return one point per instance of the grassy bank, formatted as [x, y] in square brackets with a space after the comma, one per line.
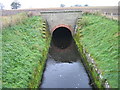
[24, 51]
[99, 36]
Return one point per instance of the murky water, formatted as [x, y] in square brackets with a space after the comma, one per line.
[65, 75]
[64, 69]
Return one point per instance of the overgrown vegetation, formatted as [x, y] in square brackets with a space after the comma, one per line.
[24, 51]
[99, 36]
[12, 19]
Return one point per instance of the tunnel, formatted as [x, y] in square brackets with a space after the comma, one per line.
[61, 37]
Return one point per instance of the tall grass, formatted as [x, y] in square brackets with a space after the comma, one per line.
[12, 19]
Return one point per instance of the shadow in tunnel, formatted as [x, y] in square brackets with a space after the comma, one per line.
[63, 47]
[62, 37]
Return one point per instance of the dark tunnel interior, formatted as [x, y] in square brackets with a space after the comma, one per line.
[62, 37]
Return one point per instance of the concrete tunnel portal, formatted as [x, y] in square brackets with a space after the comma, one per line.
[62, 24]
[62, 37]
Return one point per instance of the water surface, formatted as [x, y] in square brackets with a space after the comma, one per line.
[64, 69]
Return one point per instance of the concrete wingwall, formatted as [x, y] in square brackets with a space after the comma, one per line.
[62, 19]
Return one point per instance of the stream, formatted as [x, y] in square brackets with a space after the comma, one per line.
[64, 69]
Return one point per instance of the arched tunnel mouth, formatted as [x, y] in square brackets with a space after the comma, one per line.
[62, 37]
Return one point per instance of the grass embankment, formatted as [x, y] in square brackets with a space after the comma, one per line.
[24, 51]
[99, 36]
[12, 19]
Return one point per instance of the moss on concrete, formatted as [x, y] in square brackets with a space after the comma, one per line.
[99, 37]
[91, 72]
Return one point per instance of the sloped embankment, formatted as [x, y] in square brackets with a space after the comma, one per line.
[24, 52]
[98, 37]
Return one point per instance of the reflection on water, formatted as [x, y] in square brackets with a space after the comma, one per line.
[64, 69]
[68, 54]
[65, 75]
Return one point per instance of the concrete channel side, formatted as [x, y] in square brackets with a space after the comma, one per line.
[94, 73]
[37, 76]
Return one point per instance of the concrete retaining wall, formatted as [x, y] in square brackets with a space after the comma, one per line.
[62, 18]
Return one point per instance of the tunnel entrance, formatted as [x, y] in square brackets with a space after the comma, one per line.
[62, 45]
[64, 68]
[62, 37]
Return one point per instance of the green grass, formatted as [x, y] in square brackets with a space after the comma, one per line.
[99, 36]
[24, 50]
